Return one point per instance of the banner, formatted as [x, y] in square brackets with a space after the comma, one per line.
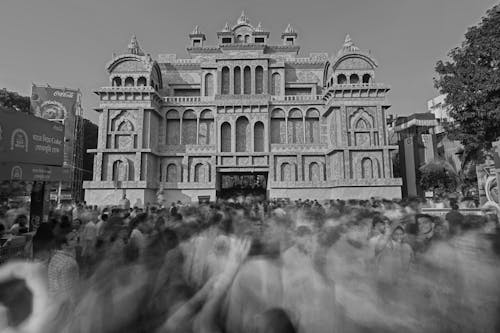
[58, 105]
[28, 139]
[33, 172]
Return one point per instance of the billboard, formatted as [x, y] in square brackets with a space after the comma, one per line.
[28, 139]
[33, 172]
[60, 105]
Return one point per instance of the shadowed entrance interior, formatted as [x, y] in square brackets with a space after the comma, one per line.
[236, 184]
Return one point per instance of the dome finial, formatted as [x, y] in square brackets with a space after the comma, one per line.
[243, 19]
[259, 27]
[349, 45]
[196, 30]
[226, 28]
[133, 46]
[289, 29]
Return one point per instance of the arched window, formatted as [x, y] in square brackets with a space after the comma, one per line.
[142, 81]
[276, 84]
[278, 126]
[125, 126]
[354, 79]
[242, 134]
[189, 128]
[247, 81]
[225, 81]
[312, 126]
[314, 172]
[116, 82]
[247, 38]
[119, 171]
[239, 38]
[295, 127]
[173, 127]
[366, 168]
[362, 124]
[258, 137]
[259, 80]
[172, 173]
[341, 79]
[286, 172]
[367, 78]
[206, 130]
[225, 137]
[237, 80]
[200, 173]
[209, 84]
[129, 82]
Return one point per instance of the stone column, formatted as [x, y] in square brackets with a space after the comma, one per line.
[218, 80]
[300, 167]
[265, 84]
[185, 168]
[347, 165]
[197, 130]
[252, 80]
[231, 80]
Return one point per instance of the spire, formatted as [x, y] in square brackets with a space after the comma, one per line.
[133, 47]
[289, 29]
[349, 45]
[226, 28]
[243, 19]
[196, 30]
[259, 28]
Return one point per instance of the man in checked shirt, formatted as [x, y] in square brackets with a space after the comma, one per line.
[63, 271]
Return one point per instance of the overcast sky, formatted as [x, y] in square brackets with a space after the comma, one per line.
[66, 43]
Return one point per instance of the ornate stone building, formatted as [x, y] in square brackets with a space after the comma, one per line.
[243, 115]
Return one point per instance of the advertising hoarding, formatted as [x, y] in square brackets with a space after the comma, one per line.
[60, 105]
[33, 172]
[28, 139]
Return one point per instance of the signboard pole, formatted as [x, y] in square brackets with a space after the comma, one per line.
[59, 190]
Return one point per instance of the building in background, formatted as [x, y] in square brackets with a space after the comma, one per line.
[90, 133]
[417, 146]
[441, 112]
[242, 116]
[63, 105]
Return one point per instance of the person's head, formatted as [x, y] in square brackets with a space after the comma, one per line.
[378, 224]
[22, 220]
[398, 234]
[454, 205]
[77, 224]
[425, 223]
[66, 239]
[104, 217]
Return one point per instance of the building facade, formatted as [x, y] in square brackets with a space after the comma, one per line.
[243, 115]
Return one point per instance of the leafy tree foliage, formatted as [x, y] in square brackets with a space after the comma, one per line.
[439, 176]
[14, 101]
[471, 81]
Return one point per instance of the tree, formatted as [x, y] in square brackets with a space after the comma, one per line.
[14, 101]
[471, 81]
[439, 176]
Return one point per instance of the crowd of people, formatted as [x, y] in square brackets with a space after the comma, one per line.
[250, 265]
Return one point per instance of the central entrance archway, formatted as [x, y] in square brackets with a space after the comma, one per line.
[235, 184]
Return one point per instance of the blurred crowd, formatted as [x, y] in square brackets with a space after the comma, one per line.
[250, 265]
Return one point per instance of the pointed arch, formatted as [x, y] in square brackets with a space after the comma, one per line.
[247, 81]
[258, 137]
[295, 126]
[225, 81]
[172, 175]
[142, 82]
[173, 127]
[341, 79]
[225, 137]
[189, 130]
[242, 134]
[354, 79]
[209, 84]
[129, 81]
[259, 80]
[206, 128]
[286, 172]
[278, 126]
[312, 126]
[276, 84]
[366, 168]
[237, 80]
[116, 82]
[314, 172]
